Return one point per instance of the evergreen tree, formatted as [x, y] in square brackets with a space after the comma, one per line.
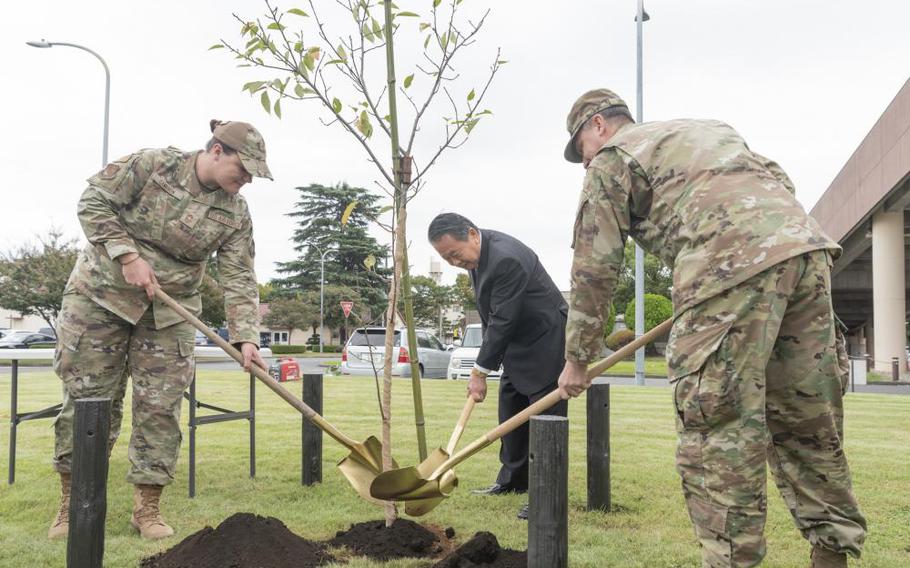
[318, 213]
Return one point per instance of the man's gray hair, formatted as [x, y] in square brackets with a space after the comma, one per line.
[450, 224]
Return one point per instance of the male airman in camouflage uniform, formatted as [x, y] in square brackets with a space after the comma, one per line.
[153, 219]
[753, 353]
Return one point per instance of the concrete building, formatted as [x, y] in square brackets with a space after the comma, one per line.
[863, 210]
[16, 321]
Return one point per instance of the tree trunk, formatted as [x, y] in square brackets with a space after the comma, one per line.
[391, 512]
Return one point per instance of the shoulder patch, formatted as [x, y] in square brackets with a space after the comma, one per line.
[215, 215]
[110, 171]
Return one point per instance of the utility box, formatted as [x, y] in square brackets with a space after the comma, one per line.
[285, 369]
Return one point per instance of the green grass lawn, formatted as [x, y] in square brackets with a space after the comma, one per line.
[654, 367]
[649, 527]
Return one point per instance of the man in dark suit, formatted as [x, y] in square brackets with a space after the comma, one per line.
[524, 319]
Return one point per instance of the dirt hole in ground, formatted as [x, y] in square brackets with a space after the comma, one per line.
[245, 540]
[484, 550]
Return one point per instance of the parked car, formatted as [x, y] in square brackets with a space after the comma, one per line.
[201, 339]
[48, 331]
[365, 350]
[464, 356]
[4, 331]
[24, 339]
[222, 332]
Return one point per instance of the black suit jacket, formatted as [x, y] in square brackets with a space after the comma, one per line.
[523, 314]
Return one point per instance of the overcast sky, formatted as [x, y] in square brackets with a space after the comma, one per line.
[803, 81]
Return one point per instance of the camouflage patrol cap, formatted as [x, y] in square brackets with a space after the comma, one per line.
[244, 138]
[584, 108]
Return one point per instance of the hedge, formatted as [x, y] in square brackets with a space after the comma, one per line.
[297, 349]
[657, 309]
[287, 349]
[619, 339]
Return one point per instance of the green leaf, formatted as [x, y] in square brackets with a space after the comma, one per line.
[471, 95]
[426, 42]
[367, 34]
[424, 25]
[436, 3]
[216, 46]
[501, 61]
[298, 12]
[266, 103]
[342, 53]
[363, 124]
[336, 105]
[298, 46]
[377, 27]
[253, 86]
[385, 209]
[299, 90]
[275, 26]
[408, 80]
[309, 61]
[278, 108]
[407, 15]
[470, 124]
[347, 213]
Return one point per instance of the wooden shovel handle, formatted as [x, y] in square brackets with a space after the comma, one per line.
[260, 373]
[459, 427]
[593, 371]
[548, 401]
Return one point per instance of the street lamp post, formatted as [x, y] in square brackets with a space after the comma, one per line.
[321, 291]
[640, 18]
[107, 86]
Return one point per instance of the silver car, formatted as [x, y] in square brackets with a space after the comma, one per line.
[365, 351]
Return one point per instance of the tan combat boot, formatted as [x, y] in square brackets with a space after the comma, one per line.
[824, 558]
[60, 527]
[146, 513]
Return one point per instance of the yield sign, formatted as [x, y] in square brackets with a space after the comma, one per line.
[346, 308]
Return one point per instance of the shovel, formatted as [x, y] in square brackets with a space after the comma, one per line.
[421, 507]
[364, 462]
[414, 483]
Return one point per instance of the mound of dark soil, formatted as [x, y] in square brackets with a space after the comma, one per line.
[243, 540]
[484, 550]
[404, 539]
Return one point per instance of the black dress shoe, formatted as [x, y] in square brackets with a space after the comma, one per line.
[495, 489]
[523, 512]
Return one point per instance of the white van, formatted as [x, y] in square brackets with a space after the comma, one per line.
[463, 357]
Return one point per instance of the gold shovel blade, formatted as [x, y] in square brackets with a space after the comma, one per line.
[363, 465]
[420, 507]
[401, 484]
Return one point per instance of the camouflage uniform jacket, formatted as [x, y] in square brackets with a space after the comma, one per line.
[152, 203]
[692, 193]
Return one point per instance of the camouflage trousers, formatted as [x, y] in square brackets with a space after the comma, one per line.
[96, 352]
[759, 377]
